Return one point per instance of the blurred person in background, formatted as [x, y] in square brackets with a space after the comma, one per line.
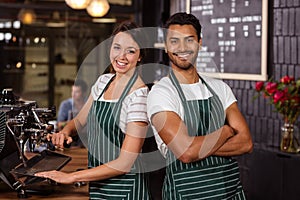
[70, 107]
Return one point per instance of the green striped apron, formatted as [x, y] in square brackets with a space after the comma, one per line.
[214, 177]
[105, 139]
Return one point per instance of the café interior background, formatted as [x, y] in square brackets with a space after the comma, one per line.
[40, 59]
[50, 57]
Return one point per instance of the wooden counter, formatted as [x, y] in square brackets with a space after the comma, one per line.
[51, 191]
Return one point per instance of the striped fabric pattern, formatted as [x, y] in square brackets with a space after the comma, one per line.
[127, 187]
[213, 177]
[2, 129]
[105, 139]
[133, 106]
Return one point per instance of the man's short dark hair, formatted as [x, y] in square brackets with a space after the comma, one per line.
[82, 84]
[182, 18]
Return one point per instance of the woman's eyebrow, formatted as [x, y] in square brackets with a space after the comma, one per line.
[131, 47]
[115, 43]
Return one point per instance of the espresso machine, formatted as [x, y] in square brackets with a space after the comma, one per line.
[24, 127]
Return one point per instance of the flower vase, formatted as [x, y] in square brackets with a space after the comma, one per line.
[289, 142]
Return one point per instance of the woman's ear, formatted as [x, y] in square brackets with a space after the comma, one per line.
[165, 46]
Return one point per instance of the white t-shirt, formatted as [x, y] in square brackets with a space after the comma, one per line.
[134, 106]
[164, 97]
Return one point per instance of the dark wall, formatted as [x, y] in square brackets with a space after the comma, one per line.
[154, 14]
[267, 173]
[283, 59]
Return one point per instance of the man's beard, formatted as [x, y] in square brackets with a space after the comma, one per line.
[187, 64]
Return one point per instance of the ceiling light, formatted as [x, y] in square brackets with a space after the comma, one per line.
[98, 8]
[55, 21]
[27, 16]
[8, 24]
[56, 24]
[7, 36]
[78, 4]
[19, 65]
[17, 24]
[104, 20]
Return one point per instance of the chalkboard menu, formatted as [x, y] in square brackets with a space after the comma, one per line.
[234, 38]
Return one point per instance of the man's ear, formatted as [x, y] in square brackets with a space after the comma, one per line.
[200, 43]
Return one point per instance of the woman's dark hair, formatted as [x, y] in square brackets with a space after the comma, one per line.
[182, 18]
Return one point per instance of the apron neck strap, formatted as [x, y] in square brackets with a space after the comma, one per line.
[176, 83]
[106, 86]
[127, 88]
[208, 87]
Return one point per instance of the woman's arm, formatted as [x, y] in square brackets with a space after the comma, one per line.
[133, 142]
[73, 126]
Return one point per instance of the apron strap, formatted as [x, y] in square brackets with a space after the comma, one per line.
[208, 87]
[214, 100]
[176, 83]
[216, 105]
[187, 110]
[117, 107]
[128, 86]
[105, 88]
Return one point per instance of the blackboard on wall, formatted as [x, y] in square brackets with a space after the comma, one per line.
[234, 38]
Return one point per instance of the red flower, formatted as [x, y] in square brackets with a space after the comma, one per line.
[286, 79]
[259, 86]
[271, 87]
[284, 95]
[279, 96]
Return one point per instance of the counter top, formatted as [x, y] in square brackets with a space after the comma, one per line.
[55, 191]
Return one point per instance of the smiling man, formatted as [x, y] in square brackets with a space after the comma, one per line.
[197, 123]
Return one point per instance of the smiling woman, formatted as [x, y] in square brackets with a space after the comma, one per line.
[115, 115]
[124, 53]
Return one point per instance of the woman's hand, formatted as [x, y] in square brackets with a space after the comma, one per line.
[59, 138]
[57, 176]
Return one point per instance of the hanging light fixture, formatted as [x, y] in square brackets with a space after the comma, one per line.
[27, 16]
[56, 21]
[98, 8]
[78, 4]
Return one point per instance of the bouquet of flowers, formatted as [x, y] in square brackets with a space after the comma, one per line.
[284, 95]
